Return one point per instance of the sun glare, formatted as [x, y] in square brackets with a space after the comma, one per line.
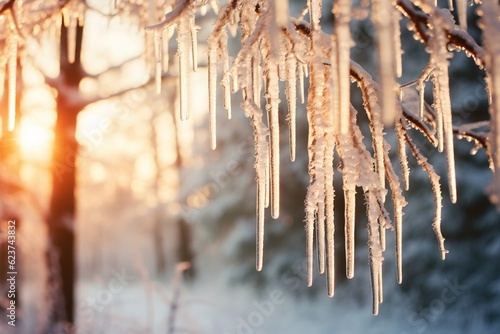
[34, 140]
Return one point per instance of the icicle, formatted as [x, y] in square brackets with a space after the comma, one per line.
[320, 235]
[439, 115]
[256, 79]
[282, 12]
[215, 6]
[70, 16]
[212, 92]
[381, 226]
[194, 45]
[267, 187]
[350, 232]
[203, 10]
[12, 70]
[260, 224]
[439, 57]
[226, 82]
[158, 47]
[399, 202]
[375, 250]
[261, 157]
[291, 96]
[234, 84]
[274, 162]
[380, 285]
[330, 227]
[378, 138]
[339, 119]
[183, 42]
[421, 94]
[272, 95]
[342, 11]
[217, 50]
[311, 203]
[403, 159]
[165, 53]
[319, 188]
[397, 44]
[310, 212]
[383, 20]
[462, 13]
[314, 148]
[314, 13]
[301, 83]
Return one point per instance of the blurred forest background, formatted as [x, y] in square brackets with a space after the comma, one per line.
[150, 194]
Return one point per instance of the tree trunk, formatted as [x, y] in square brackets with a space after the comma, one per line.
[61, 218]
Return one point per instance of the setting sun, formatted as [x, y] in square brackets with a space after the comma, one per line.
[34, 140]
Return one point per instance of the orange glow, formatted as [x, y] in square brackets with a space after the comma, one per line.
[34, 140]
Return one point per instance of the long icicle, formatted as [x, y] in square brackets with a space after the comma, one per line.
[399, 202]
[439, 57]
[272, 95]
[183, 41]
[375, 250]
[226, 82]
[212, 93]
[397, 43]
[383, 20]
[330, 227]
[158, 48]
[194, 44]
[291, 96]
[350, 232]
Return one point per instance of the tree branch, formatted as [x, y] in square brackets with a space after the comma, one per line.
[8, 6]
[456, 37]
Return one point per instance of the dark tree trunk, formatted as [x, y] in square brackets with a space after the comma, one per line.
[159, 219]
[184, 252]
[61, 218]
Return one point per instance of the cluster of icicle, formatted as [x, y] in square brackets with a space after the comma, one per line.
[276, 47]
[27, 19]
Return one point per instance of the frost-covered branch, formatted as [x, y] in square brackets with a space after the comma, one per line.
[457, 37]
